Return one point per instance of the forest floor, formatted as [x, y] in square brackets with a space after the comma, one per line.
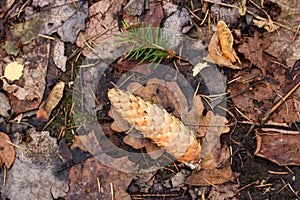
[227, 70]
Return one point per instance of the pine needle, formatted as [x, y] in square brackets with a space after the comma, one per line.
[148, 43]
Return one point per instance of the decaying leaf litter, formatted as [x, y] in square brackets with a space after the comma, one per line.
[254, 44]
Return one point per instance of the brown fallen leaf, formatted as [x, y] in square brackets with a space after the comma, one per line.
[282, 149]
[32, 174]
[136, 142]
[7, 151]
[51, 102]
[285, 43]
[135, 7]
[68, 27]
[253, 48]
[4, 105]
[93, 180]
[209, 174]
[124, 65]
[101, 27]
[209, 126]
[152, 16]
[58, 56]
[217, 56]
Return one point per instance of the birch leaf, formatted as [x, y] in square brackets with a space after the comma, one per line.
[13, 71]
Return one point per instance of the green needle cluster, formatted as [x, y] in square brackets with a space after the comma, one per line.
[148, 43]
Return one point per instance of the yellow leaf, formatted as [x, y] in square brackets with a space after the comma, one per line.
[198, 67]
[226, 41]
[13, 71]
[51, 102]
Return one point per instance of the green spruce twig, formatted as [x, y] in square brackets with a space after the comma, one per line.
[148, 43]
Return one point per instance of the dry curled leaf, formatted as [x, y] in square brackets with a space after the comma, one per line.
[220, 50]
[7, 151]
[51, 102]
[226, 41]
[267, 24]
[158, 125]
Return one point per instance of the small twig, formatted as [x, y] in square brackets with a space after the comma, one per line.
[280, 64]
[197, 89]
[198, 18]
[4, 176]
[112, 191]
[278, 173]
[289, 185]
[278, 104]
[21, 9]
[210, 183]
[99, 185]
[129, 130]
[296, 33]
[246, 186]
[17, 146]
[267, 124]
[243, 115]
[127, 79]
[51, 120]
[281, 131]
[46, 36]
[284, 186]
[205, 16]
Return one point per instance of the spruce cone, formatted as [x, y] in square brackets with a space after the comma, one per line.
[158, 125]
